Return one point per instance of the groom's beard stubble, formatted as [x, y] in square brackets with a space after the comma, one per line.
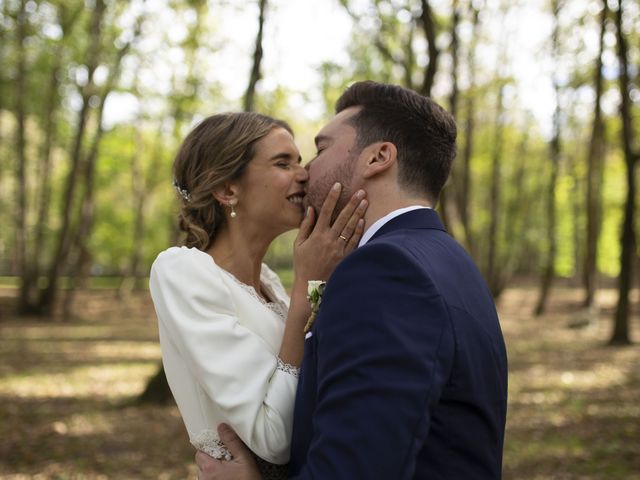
[319, 189]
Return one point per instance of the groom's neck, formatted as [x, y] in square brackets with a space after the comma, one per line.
[385, 199]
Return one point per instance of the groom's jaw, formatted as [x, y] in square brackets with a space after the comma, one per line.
[314, 198]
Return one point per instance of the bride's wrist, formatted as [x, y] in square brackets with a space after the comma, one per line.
[299, 298]
[299, 288]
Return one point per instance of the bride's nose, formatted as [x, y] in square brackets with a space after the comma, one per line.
[302, 175]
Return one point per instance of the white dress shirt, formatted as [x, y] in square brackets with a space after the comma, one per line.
[219, 343]
[377, 225]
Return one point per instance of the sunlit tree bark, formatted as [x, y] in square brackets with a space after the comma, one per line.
[64, 240]
[80, 253]
[516, 212]
[595, 158]
[465, 184]
[620, 334]
[445, 195]
[5, 164]
[548, 271]
[493, 271]
[429, 26]
[67, 17]
[20, 141]
[254, 77]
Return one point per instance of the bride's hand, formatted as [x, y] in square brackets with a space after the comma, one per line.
[319, 247]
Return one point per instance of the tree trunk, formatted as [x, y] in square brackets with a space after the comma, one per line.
[29, 292]
[464, 190]
[595, 157]
[515, 212]
[453, 97]
[66, 233]
[445, 196]
[35, 251]
[578, 209]
[429, 26]
[79, 255]
[21, 156]
[548, 272]
[80, 268]
[409, 58]
[249, 96]
[139, 189]
[405, 59]
[428, 23]
[620, 334]
[6, 215]
[493, 271]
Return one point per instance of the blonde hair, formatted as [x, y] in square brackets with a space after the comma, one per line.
[215, 152]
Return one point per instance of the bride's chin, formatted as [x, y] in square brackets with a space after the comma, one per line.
[295, 224]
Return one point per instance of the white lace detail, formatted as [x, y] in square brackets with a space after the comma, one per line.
[207, 441]
[288, 368]
[278, 307]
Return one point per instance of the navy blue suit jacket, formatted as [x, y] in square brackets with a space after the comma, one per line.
[405, 370]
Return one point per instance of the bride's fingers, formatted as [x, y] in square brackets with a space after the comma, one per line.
[329, 205]
[306, 227]
[355, 238]
[347, 231]
[346, 222]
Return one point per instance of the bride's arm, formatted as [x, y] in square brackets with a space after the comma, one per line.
[218, 369]
[317, 250]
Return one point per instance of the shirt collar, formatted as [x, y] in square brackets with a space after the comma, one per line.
[377, 225]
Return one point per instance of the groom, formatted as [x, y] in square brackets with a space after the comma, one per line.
[405, 371]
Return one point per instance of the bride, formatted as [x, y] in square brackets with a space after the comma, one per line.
[231, 338]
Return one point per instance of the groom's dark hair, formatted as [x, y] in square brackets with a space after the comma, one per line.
[422, 131]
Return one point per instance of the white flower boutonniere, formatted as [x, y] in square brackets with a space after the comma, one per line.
[315, 289]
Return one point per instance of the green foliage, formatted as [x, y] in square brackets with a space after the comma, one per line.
[169, 80]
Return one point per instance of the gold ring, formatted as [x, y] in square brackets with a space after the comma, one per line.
[343, 237]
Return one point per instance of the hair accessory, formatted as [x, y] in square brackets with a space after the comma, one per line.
[232, 204]
[183, 192]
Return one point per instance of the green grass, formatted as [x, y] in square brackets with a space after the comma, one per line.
[9, 281]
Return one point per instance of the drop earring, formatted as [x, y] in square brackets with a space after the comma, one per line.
[232, 204]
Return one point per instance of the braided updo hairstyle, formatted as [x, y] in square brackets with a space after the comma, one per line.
[215, 152]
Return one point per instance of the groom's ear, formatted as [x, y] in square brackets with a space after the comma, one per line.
[381, 157]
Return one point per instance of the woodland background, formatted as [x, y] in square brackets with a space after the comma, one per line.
[95, 97]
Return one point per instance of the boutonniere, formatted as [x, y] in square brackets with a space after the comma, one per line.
[315, 289]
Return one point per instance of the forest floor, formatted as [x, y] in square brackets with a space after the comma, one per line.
[66, 391]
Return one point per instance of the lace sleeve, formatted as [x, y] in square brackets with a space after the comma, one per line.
[207, 441]
[288, 368]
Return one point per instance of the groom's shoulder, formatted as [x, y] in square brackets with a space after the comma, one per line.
[375, 258]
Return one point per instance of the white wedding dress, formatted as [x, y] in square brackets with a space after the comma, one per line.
[219, 343]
